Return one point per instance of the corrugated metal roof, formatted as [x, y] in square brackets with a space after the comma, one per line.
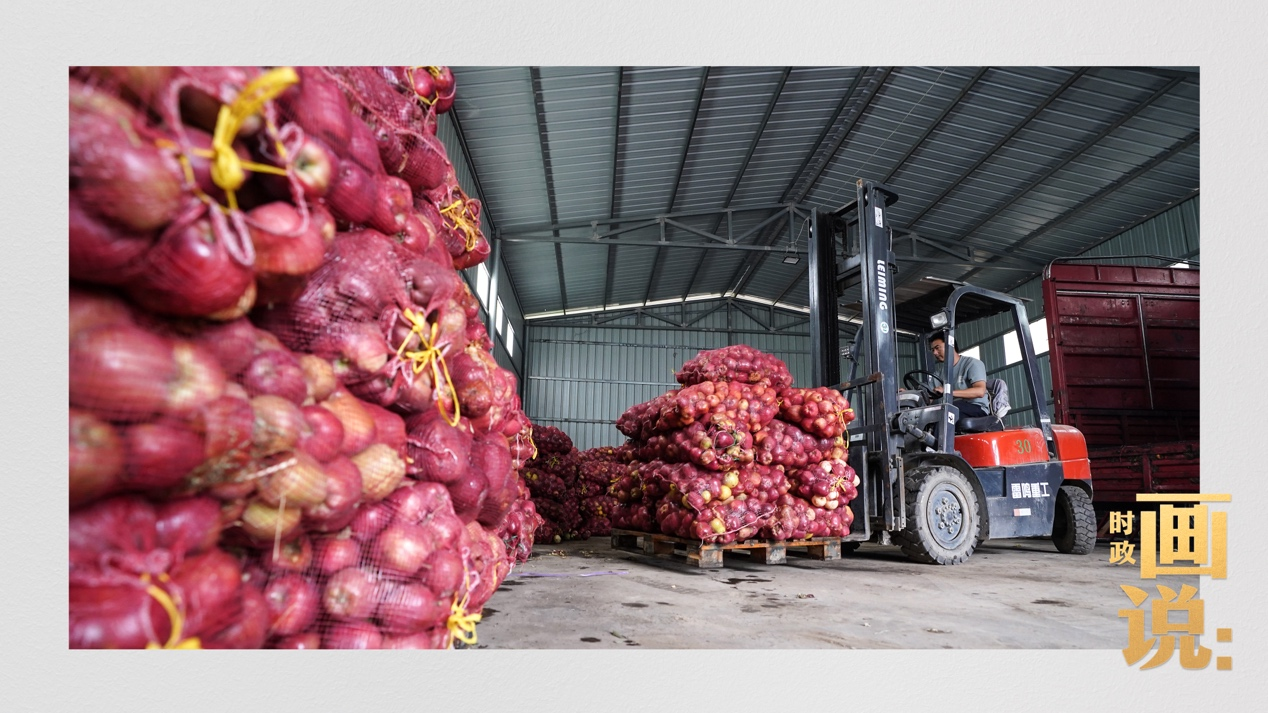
[1022, 163]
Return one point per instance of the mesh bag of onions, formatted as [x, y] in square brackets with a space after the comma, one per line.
[737, 453]
[286, 426]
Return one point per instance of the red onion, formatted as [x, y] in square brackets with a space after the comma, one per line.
[323, 436]
[120, 372]
[96, 457]
[188, 525]
[352, 635]
[276, 372]
[343, 496]
[409, 608]
[352, 593]
[335, 553]
[293, 604]
[159, 455]
[189, 272]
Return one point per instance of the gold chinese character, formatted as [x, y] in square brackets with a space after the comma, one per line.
[1184, 534]
[1121, 523]
[1121, 553]
[1192, 655]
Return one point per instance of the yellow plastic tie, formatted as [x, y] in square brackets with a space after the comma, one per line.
[429, 355]
[462, 223]
[228, 169]
[462, 626]
[173, 612]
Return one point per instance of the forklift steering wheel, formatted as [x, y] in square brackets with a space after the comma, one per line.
[923, 381]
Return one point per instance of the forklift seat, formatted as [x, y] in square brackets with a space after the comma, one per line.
[997, 397]
[979, 424]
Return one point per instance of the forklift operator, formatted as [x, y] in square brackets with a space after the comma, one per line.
[968, 380]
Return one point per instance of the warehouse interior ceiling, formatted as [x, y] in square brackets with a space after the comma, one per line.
[613, 188]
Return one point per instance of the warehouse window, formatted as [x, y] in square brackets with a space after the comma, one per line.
[975, 352]
[1039, 335]
[1012, 350]
[482, 283]
[510, 339]
[499, 318]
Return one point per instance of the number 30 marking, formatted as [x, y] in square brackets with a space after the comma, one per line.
[1023, 446]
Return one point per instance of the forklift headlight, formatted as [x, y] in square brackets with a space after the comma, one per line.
[938, 320]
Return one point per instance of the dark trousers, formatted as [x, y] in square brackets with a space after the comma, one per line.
[969, 409]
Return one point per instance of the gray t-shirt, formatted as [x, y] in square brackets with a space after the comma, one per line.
[963, 375]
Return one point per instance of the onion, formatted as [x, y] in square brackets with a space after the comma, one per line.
[306, 640]
[389, 428]
[96, 457]
[468, 494]
[199, 379]
[409, 608]
[352, 197]
[370, 520]
[264, 523]
[293, 556]
[189, 272]
[114, 617]
[319, 377]
[436, 638]
[358, 424]
[402, 548]
[101, 252]
[352, 635]
[293, 604]
[444, 572]
[227, 425]
[188, 525]
[120, 372]
[159, 455]
[96, 308]
[381, 471]
[248, 630]
[323, 436]
[299, 484]
[318, 105]
[232, 343]
[343, 496]
[284, 243]
[276, 372]
[351, 594]
[332, 554]
[135, 185]
[439, 452]
[278, 423]
[209, 584]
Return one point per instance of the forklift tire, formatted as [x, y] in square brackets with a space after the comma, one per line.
[943, 521]
[1074, 526]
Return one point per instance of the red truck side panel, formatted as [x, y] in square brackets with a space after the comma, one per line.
[1124, 347]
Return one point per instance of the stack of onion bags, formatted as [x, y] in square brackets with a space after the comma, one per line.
[286, 426]
[737, 453]
[552, 480]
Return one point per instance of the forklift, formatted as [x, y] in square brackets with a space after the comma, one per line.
[930, 481]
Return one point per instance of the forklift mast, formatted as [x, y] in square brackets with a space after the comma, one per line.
[875, 448]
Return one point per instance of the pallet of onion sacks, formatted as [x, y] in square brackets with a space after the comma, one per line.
[737, 455]
[286, 426]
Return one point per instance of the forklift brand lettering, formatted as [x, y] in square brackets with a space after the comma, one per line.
[880, 285]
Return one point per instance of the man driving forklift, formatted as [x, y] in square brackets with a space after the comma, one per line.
[968, 379]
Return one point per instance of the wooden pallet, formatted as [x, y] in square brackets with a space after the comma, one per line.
[709, 556]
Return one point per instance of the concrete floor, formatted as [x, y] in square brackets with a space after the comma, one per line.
[1011, 594]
